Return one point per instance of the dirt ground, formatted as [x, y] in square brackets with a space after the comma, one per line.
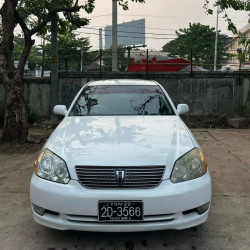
[228, 226]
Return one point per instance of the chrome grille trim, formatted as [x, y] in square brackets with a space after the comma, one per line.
[147, 218]
[105, 177]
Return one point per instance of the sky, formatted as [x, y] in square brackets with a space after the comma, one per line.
[163, 18]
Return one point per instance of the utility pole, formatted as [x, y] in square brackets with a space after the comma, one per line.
[216, 39]
[43, 41]
[100, 39]
[100, 64]
[129, 48]
[54, 99]
[147, 64]
[191, 54]
[114, 36]
[81, 55]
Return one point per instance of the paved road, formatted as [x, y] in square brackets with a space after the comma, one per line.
[228, 227]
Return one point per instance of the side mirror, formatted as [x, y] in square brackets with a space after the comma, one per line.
[182, 108]
[60, 110]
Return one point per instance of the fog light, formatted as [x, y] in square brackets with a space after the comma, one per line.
[202, 209]
[38, 210]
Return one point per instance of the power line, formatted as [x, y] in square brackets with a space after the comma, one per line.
[131, 32]
[132, 26]
[146, 33]
[100, 16]
[146, 27]
[158, 38]
[176, 17]
[92, 33]
[148, 37]
[173, 17]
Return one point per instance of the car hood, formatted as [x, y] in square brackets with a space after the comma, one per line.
[120, 141]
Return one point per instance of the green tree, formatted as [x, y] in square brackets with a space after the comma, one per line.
[224, 5]
[121, 59]
[34, 58]
[244, 53]
[237, 5]
[69, 51]
[200, 38]
[18, 47]
[33, 16]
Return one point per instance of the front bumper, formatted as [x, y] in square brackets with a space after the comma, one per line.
[73, 207]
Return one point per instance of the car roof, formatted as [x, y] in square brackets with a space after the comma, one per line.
[122, 82]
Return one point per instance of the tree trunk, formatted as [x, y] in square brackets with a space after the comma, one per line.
[15, 121]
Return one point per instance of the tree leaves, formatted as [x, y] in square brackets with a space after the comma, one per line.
[124, 3]
[121, 58]
[34, 12]
[200, 38]
[224, 5]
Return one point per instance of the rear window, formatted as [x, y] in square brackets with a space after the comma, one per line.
[121, 100]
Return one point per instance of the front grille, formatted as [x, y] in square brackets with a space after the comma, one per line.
[120, 177]
[94, 219]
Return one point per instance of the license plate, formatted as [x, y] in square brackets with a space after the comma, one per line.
[115, 211]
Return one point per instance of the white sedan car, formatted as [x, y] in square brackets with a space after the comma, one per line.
[121, 160]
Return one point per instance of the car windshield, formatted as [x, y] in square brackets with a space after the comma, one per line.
[121, 100]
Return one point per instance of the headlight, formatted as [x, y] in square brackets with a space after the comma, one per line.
[190, 166]
[51, 167]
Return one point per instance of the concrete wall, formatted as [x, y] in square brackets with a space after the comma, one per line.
[37, 94]
[206, 93]
[204, 96]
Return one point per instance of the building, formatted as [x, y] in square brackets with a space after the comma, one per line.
[233, 47]
[155, 61]
[129, 33]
